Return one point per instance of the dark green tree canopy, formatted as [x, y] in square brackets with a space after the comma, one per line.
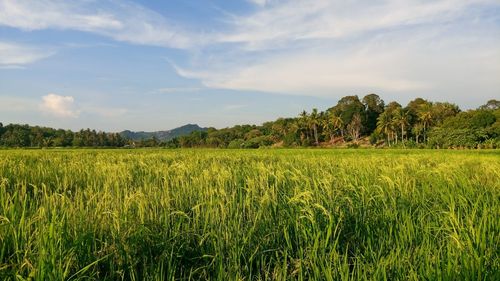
[491, 105]
[351, 121]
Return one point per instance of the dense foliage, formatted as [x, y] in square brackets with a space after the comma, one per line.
[249, 215]
[367, 121]
[14, 135]
[352, 122]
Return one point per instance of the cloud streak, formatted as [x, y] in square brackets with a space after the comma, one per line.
[119, 20]
[14, 55]
[322, 48]
[260, 3]
[332, 48]
[295, 21]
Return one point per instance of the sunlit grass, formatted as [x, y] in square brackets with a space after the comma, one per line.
[249, 215]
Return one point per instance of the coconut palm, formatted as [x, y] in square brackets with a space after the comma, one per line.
[401, 120]
[425, 117]
[418, 130]
[303, 125]
[384, 125]
[338, 124]
[314, 122]
[333, 124]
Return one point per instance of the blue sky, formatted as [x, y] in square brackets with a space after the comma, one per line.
[153, 65]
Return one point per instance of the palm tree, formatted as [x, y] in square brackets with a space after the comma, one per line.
[384, 125]
[417, 131]
[314, 122]
[328, 128]
[294, 128]
[425, 117]
[279, 128]
[338, 124]
[303, 124]
[401, 119]
[332, 124]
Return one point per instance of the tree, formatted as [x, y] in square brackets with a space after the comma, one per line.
[293, 129]
[466, 129]
[384, 125]
[387, 122]
[314, 122]
[491, 105]
[333, 124]
[414, 107]
[355, 127]
[417, 131]
[304, 125]
[443, 110]
[374, 106]
[1, 132]
[425, 118]
[347, 107]
[278, 128]
[401, 118]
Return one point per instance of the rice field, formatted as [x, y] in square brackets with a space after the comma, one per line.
[249, 215]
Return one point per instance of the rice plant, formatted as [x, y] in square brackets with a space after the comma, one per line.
[249, 215]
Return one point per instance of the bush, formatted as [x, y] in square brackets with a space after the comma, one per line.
[448, 138]
[258, 142]
[374, 138]
[353, 145]
[235, 144]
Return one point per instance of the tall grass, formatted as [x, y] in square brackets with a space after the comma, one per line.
[249, 215]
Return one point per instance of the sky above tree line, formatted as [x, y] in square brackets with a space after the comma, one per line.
[154, 65]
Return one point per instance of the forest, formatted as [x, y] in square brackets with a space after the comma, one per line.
[352, 122]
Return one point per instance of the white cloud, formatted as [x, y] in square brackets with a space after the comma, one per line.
[15, 55]
[59, 106]
[175, 90]
[35, 15]
[294, 21]
[119, 20]
[318, 48]
[389, 63]
[261, 3]
[444, 48]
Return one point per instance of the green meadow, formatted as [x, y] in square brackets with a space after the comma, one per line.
[301, 214]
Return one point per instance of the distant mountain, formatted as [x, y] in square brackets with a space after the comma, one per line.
[163, 135]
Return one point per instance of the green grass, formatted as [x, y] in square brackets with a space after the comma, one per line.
[249, 215]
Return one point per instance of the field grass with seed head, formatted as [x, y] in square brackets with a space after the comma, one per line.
[249, 215]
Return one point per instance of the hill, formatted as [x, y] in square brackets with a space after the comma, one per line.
[162, 135]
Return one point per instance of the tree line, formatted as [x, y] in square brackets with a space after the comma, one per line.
[350, 123]
[368, 121]
[14, 135]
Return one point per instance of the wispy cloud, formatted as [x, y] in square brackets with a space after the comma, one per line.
[234, 106]
[59, 106]
[14, 55]
[394, 63]
[261, 3]
[318, 48]
[176, 90]
[331, 48]
[119, 20]
[295, 21]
